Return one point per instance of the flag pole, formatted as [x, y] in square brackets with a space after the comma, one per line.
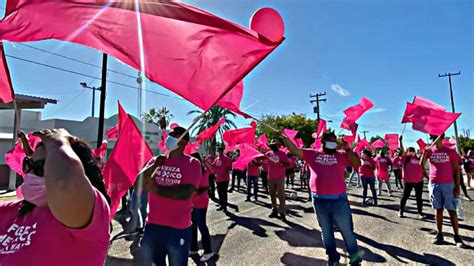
[404, 127]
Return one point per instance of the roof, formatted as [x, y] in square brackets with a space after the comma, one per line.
[28, 102]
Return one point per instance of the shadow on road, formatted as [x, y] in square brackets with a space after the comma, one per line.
[403, 255]
[253, 224]
[366, 213]
[293, 259]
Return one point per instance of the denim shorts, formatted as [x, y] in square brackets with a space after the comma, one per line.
[441, 196]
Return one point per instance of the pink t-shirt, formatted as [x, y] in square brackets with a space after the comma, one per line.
[397, 162]
[175, 172]
[275, 170]
[412, 170]
[222, 166]
[327, 171]
[265, 165]
[366, 170]
[252, 169]
[441, 169]
[38, 238]
[382, 167]
[292, 162]
[201, 201]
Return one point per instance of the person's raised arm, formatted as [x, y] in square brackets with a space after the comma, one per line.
[354, 159]
[402, 149]
[292, 147]
[24, 142]
[70, 195]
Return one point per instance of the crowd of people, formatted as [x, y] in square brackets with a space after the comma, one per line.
[65, 203]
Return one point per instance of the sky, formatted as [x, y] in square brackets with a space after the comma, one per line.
[388, 51]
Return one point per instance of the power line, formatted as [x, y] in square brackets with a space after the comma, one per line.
[87, 75]
[75, 60]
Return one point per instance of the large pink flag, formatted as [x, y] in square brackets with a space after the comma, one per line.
[231, 101]
[210, 132]
[392, 140]
[290, 133]
[431, 121]
[427, 103]
[362, 144]
[239, 136]
[262, 142]
[14, 158]
[247, 154]
[322, 127]
[129, 155]
[412, 108]
[6, 88]
[114, 132]
[189, 51]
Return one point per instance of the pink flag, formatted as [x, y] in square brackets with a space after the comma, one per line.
[421, 144]
[291, 134]
[392, 140]
[451, 143]
[363, 144]
[299, 143]
[231, 101]
[114, 132]
[317, 144]
[262, 142]
[14, 158]
[162, 144]
[192, 147]
[349, 125]
[378, 144]
[431, 121]
[101, 151]
[427, 103]
[322, 127]
[412, 108]
[353, 113]
[239, 136]
[247, 154]
[200, 56]
[211, 131]
[129, 155]
[349, 139]
[6, 88]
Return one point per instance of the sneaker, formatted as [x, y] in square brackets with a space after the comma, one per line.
[400, 214]
[459, 242]
[206, 257]
[273, 215]
[247, 200]
[390, 194]
[421, 216]
[193, 253]
[438, 239]
[283, 218]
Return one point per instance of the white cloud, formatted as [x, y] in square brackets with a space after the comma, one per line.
[339, 90]
[377, 110]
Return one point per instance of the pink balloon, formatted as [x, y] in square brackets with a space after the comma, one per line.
[268, 22]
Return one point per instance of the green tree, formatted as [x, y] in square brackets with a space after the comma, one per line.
[161, 117]
[211, 118]
[305, 127]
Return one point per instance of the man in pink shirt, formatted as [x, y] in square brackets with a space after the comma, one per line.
[171, 182]
[277, 163]
[444, 185]
[329, 194]
[222, 166]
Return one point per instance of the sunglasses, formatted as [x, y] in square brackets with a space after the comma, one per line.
[37, 167]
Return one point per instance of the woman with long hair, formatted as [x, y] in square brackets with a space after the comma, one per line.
[65, 210]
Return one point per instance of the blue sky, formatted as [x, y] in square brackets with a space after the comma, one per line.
[389, 51]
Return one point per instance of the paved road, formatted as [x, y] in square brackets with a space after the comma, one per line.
[249, 237]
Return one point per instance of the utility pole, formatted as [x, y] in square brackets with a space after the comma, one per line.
[365, 132]
[85, 86]
[140, 88]
[452, 104]
[103, 89]
[318, 99]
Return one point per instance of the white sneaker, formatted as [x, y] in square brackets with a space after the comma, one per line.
[192, 253]
[206, 257]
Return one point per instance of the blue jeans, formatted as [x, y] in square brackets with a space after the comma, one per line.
[199, 222]
[138, 203]
[353, 174]
[338, 212]
[161, 241]
[369, 181]
[252, 180]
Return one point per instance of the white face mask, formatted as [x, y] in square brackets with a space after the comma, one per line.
[171, 143]
[330, 145]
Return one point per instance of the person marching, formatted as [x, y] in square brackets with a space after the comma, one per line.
[443, 186]
[329, 192]
[413, 174]
[383, 164]
[397, 168]
[171, 183]
[277, 163]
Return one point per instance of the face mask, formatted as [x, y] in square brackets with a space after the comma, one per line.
[171, 143]
[330, 145]
[34, 190]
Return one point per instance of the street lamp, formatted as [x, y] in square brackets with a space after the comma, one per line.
[85, 86]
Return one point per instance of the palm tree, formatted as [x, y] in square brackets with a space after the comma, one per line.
[210, 118]
[160, 117]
